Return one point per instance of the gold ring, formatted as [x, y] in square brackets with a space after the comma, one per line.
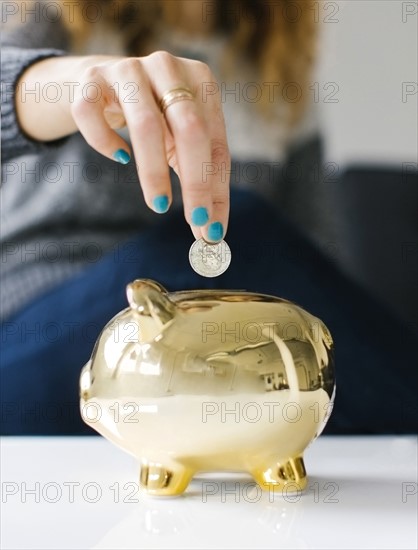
[174, 95]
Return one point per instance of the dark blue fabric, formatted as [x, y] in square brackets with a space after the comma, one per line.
[45, 345]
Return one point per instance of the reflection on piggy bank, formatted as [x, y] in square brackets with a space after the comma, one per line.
[210, 380]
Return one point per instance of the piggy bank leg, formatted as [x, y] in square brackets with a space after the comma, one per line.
[288, 475]
[162, 480]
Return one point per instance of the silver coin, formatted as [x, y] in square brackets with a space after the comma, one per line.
[209, 259]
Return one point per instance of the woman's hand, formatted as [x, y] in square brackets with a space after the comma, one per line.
[112, 92]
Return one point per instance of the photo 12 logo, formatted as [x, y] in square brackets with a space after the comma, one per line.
[266, 412]
[252, 492]
[54, 492]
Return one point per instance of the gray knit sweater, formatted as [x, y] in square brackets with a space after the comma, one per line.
[63, 205]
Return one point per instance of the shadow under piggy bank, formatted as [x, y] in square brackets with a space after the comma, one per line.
[211, 380]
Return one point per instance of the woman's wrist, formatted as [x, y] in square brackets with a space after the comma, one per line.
[45, 92]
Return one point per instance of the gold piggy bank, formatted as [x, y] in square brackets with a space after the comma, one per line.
[210, 380]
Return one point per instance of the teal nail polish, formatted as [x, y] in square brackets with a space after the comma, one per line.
[122, 156]
[160, 204]
[200, 216]
[215, 231]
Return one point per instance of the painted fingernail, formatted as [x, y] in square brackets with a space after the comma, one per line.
[122, 156]
[160, 204]
[215, 231]
[200, 216]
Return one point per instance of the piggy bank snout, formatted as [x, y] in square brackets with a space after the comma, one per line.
[85, 381]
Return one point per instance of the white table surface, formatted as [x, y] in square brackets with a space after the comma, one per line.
[360, 495]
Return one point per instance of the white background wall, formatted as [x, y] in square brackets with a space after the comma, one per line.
[369, 50]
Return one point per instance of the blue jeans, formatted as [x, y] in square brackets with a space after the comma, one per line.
[45, 345]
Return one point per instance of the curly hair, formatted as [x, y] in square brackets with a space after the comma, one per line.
[278, 37]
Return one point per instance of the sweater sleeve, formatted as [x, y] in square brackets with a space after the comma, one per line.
[14, 61]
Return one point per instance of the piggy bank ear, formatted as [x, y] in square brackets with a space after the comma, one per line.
[149, 298]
